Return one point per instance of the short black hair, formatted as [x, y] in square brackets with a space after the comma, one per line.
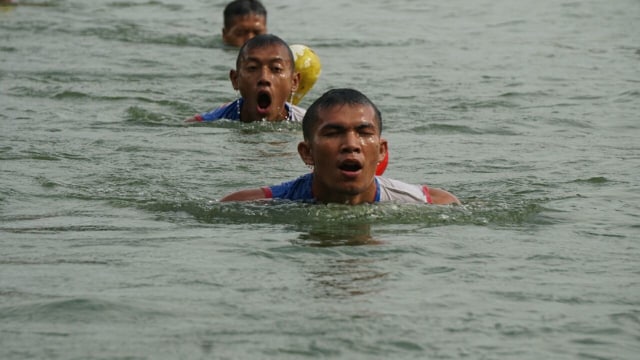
[336, 97]
[264, 40]
[242, 8]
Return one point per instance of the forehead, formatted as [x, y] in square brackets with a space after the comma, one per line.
[270, 52]
[346, 115]
[247, 21]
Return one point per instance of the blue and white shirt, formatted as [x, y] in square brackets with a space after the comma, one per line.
[231, 111]
[391, 190]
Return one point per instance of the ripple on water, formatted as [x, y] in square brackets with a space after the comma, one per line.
[76, 310]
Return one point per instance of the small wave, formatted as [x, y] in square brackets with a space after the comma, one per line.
[256, 127]
[68, 94]
[128, 4]
[60, 229]
[517, 94]
[596, 180]
[483, 104]
[523, 296]
[507, 23]
[131, 33]
[357, 43]
[627, 96]
[47, 261]
[75, 310]
[630, 318]
[444, 129]
[585, 97]
[38, 155]
[138, 115]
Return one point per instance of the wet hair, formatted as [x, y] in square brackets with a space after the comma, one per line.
[264, 40]
[332, 98]
[242, 8]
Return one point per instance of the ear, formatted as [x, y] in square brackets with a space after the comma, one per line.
[225, 35]
[384, 147]
[305, 153]
[233, 76]
[295, 81]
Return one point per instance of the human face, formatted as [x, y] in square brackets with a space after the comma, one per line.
[244, 28]
[265, 79]
[344, 149]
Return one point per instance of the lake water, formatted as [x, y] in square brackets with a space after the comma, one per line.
[113, 245]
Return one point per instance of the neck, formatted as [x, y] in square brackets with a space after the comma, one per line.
[349, 196]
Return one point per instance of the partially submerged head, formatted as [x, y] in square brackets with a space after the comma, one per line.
[342, 141]
[266, 78]
[243, 19]
[335, 98]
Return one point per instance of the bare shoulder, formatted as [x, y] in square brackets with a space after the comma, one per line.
[245, 195]
[442, 197]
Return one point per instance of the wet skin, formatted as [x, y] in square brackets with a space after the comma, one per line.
[344, 150]
[244, 28]
[266, 79]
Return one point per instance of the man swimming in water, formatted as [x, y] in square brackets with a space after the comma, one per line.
[266, 80]
[243, 19]
[343, 143]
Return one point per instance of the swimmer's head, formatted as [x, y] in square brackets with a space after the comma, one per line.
[333, 98]
[243, 19]
[262, 41]
[265, 77]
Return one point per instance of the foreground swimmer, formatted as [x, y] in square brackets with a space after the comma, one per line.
[342, 141]
[266, 79]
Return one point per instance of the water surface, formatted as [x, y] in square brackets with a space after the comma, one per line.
[114, 245]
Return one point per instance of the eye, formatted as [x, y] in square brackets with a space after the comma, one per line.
[241, 32]
[367, 131]
[330, 133]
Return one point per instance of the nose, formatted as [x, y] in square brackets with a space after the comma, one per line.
[351, 142]
[265, 76]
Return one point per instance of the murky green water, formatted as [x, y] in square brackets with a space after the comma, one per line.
[114, 246]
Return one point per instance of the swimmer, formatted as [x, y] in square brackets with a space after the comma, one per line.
[266, 81]
[243, 19]
[343, 143]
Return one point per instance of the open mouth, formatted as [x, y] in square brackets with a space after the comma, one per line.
[264, 101]
[350, 166]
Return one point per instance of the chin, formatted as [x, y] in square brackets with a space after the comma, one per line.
[352, 190]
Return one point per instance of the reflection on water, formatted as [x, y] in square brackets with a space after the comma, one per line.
[347, 277]
[340, 235]
[345, 272]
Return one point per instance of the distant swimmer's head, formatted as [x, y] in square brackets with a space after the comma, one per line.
[266, 78]
[243, 19]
